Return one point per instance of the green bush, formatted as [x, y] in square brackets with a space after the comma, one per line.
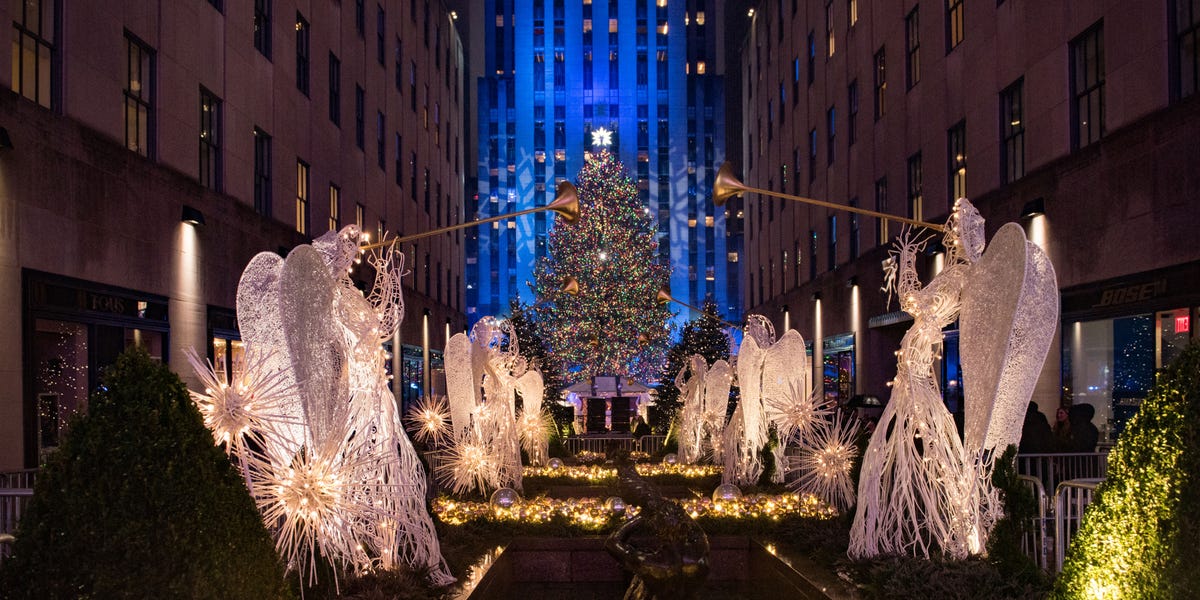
[139, 503]
[1020, 509]
[1139, 536]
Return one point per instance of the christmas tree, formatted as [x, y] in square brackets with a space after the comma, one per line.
[705, 335]
[614, 326]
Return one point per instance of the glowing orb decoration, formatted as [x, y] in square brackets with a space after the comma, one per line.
[670, 459]
[826, 459]
[615, 505]
[555, 463]
[727, 492]
[504, 498]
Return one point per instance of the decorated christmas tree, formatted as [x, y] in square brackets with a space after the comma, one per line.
[614, 325]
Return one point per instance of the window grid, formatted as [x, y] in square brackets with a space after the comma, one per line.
[956, 143]
[880, 83]
[831, 133]
[1087, 87]
[852, 121]
[830, 36]
[210, 140]
[302, 55]
[34, 53]
[916, 196]
[955, 24]
[301, 197]
[139, 96]
[1012, 128]
[262, 172]
[881, 206]
[912, 42]
[832, 242]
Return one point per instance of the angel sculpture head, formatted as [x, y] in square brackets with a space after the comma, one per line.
[965, 234]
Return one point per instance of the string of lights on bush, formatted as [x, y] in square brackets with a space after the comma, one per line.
[601, 473]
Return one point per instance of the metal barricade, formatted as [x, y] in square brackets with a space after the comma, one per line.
[12, 504]
[18, 479]
[1053, 469]
[1071, 499]
[599, 443]
[652, 443]
[1034, 543]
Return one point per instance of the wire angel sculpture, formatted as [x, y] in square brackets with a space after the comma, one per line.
[319, 438]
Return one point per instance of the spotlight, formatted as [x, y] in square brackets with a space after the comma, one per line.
[191, 216]
[853, 281]
[1034, 208]
[816, 296]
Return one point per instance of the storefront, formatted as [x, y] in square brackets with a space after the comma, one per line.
[838, 372]
[72, 330]
[1118, 333]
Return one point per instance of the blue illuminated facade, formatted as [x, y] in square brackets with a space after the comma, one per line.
[649, 71]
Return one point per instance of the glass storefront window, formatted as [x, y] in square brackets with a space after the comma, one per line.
[1110, 363]
[838, 372]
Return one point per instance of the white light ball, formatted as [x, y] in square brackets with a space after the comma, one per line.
[555, 463]
[505, 498]
[671, 459]
[726, 492]
[615, 505]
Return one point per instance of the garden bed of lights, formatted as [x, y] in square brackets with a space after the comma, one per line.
[604, 475]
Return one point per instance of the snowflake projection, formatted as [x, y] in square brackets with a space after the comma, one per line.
[429, 420]
[254, 402]
[327, 462]
[826, 459]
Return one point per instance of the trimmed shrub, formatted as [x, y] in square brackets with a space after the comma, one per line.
[1139, 536]
[139, 503]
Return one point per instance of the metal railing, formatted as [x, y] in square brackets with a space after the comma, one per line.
[13, 502]
[600, 443]
[1071, 499]
[18, 479]
[1053, 469]
[1035, 544]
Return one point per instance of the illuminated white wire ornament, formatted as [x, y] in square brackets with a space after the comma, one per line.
[826, 460]
[429, 420]
[253, 402]
[331, 469]
[690, 381]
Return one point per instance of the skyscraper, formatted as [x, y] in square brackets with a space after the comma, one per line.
[649, 71]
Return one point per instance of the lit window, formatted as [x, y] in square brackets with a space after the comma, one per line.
[700, 67]
[732, 257]
[700, 17]
[692, 222]
[708, 221]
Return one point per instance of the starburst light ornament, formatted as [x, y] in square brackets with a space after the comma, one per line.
[602, 137]
[429, 420]
[826, 459]
[254, 401]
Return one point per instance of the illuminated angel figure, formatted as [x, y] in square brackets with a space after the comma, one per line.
[917, 490]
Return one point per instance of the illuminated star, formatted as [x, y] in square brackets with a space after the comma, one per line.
[602, 137]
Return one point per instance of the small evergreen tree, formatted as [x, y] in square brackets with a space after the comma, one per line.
[1139, 536]
[705, 335]
[139, 502]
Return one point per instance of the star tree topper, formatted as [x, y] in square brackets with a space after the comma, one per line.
[602, 137]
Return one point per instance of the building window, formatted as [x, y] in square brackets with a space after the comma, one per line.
[262, 27]
[955, 24]
[880, 83]
[302, 54]
[799, 261]
[380, 31]
[795, 80]
[380, 140]
[830, 37]
[301, 196]
[956, 151]
[812, 58]
[398, 167]
[912, 42]
[853, 230]
[360, 213]
[812, 154]
[262, 172]
[852, 121]
[335, 90]
[1012, 128]
[210, 140]
[881, 206]
[831, 133]
[399, 65]
[832, 242]
[335, 208]
[812, 254]
[360, 101]
[33, 66]
[1087, 86]
[360, 17]
[916, 196]
[139, 96]
[1187, 41]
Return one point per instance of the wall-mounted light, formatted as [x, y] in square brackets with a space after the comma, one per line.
[1034, 208]
[816, 296]
[5, 140]
[192, 216]
[853, 281]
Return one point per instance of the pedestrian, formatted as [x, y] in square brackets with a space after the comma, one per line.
[1084, 433]
[1063, 441]
[1036, 437]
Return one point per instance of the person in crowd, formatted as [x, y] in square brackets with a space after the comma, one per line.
[1063, 440]
[1036, 437]
[1083, 432]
